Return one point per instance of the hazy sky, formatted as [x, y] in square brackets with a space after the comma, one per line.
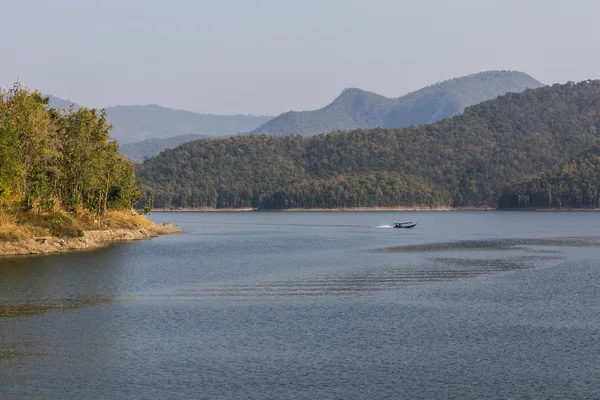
[270, 56]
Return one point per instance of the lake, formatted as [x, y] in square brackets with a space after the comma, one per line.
[313, 305]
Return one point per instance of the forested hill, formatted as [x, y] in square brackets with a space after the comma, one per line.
[356, 108]
[466, 160]
[139, 122]
[573, 184]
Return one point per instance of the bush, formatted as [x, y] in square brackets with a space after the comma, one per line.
[56, 223]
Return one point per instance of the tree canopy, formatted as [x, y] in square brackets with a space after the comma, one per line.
[573, 184]
[53, 160]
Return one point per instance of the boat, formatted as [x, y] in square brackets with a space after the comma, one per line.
[405, 224]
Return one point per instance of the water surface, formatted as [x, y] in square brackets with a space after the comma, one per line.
[313, 305]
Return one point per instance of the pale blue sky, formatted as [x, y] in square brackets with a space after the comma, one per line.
[270, 56]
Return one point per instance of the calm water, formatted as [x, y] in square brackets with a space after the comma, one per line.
[468, 305]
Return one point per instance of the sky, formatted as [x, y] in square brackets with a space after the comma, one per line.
[270, 56]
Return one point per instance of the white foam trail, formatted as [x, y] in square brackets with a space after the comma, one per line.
[384, 226]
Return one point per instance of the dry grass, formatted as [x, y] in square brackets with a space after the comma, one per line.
[85, 219]
[14, 233]
[125, 220]
[21, 226]
[166, 229]
[57, 223]
[11, 231]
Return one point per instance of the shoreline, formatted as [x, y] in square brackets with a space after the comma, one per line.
[91, 240]
[373, 209]
[352, 209]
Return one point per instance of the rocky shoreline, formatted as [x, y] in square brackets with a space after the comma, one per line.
[90, 240]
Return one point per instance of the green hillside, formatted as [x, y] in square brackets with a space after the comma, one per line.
[356, 108]
[466, 160]
[574, 184]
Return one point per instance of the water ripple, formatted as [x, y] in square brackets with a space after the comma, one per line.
[492, 245]
[364, 281]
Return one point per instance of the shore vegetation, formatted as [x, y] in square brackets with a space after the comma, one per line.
[61, 173]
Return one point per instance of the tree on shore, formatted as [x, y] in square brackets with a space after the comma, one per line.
[55, 159]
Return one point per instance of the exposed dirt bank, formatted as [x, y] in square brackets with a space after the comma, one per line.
[90, 240]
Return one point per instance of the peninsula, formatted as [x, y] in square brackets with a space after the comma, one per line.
[63, 184]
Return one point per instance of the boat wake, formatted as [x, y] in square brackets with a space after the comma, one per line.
[353, 282]
[384, 226]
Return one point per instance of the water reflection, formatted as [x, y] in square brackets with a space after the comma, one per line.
[20, 351]
[42, 306]
[494, 244]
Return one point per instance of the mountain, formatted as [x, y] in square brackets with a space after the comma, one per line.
[135, 123]
[57, 102]
[356, 108]
[466, 160]
[139, 151]
[140, 122]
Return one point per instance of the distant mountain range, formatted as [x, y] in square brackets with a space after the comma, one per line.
[139, 151]
[356, 108]
[140, 129]
[140, 122]
[57, 102]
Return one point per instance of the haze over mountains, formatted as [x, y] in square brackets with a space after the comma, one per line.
[145, 130]
[139, 151]
[140, 122]
[355, 108]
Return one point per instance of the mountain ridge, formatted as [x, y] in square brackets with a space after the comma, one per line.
[147, 148]
[356, 108]
[133, 123]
